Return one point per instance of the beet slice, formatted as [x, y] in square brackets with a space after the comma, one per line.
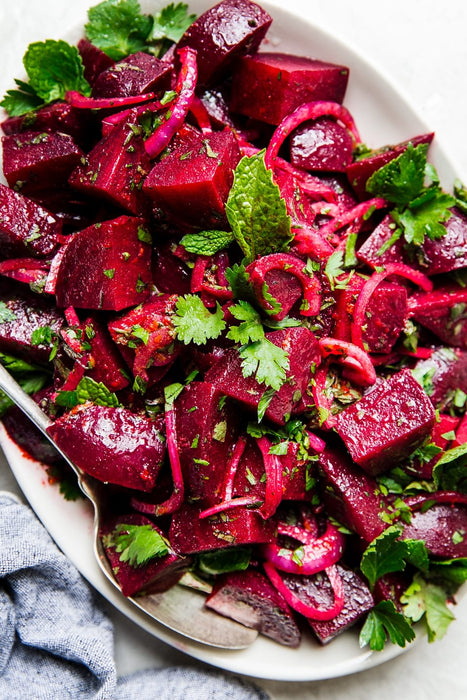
[437, 312]
[432, 257]
[282, 82]
[351, 496]
[391, 587]
[105, 266]
[358, 173]
[170, 274]
[230, 29]
[317, 590]
[206, 429]
[387, 424]
[443, 527]
[26, 228]
[135, 75]
[249, 598]
[38, 160]
[444, 425]
[105, 362]
[323, 145]
[189, 533]
[94, 60]
[191, 184]
[303, 350]
[156, 576]
[442, 374]
[111, 444]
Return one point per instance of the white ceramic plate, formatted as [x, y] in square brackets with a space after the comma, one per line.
[383, 116]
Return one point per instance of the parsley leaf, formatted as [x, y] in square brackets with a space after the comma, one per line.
[251, 328]
[334, 267]
[170, 23]
[118, 27]
[450, 471]
[239, 281]
[256, 211]
[427, 600]
[265, 361]
[137, 544]
[194, 322]
[400, 180]
[384, 621]
[207, 242]
[387, 553]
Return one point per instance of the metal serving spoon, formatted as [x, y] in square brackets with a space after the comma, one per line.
[180, 609]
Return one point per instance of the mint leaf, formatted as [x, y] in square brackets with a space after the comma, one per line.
[207, 242]
[171, 23]
[87, 390]
[385, 554]
[20, 101]
[136, 544]
[53, 68]
[382, 622]
[194, 322]
[251, 328]
[428, 601]
[450, 471]
[118, 27]
[265, 361]
[400, 180]
[256, 211]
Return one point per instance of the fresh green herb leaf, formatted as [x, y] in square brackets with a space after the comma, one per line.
[171, 23]
[18, 102]
[118, 27]
[137, 544]
[194, 322]
[6, 314]
[110, 273]
[251, 328]
[265, 361]
[263, 404]
[425, 219]
[427, 600]
[172, 392]
[221, 561]
[384, 555]
[141, 333]
[402, 179]
[53, 68]
[87, 390]
[384, 621]
[207, 242]
[450, 471]
[239, 281]
[460, 193]
[334, 267]
[144, 235]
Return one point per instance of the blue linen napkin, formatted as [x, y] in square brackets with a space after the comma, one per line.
[55, 642]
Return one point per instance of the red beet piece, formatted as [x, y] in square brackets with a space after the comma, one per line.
[170, 274]
[444, 425]
[387, 424]
[359, 172]
[385, 316]
[351, 496]
[216, 105]
[432, 257]
[323, 145]
[105, 362]
[391, 587]
[113, 445]
[461, 433]
[443, 373]
[38, 160]
[284, 286]
[230, 29]
[105, 266]
[134, 75]
[435, 311]
[302, 347]
[156, 576]
[25, 227]
[438, 527]
[94, 60]
[189, 534]
[249, 598]
[282, 82]
[191, 184]
[206, 429]
[115, 168]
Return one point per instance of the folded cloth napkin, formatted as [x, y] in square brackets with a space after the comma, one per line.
[55, 642]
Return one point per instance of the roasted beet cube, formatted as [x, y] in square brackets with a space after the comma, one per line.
[230, 29]
[323, 145]
[134, 75]
[282, 82]
[444, 426]
[441, 315]
[191, 184]
[113, 445]
[391, 587]
[442, 374]
[105, 266]
[189, 533]
[302, 348]
[359, 172]
[156, 576]
[387, 424]
[206, 429]
[352, 497]
[170, 274]
[94, 60]
[249, 598]
[105, 362]
[25, 227]
[443, 528]
[37, 160]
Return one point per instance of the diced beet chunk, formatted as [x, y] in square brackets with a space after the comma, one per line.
[230, 29]
[323, 145]
[303, 350]
[189, 533]
[25, 227]
[282, 82]
[134, 75]
[249, 598]
[170, 274]
[94, 60]
[113, 445]
[351, 496]
[441, 315]
[387, 424]
[444, 425]
[191, 184]
[106, 365]
[442, 374]
[37, 160]
[391, 587]
[443, 527]
[359, 172]
[105, 266]
[317, 590]
[206, 429]
[156, 576]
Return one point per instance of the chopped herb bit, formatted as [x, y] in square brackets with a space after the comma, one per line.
[137, 544]
[110, 273]
[6, 314]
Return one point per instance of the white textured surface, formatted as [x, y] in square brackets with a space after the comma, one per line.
[421, 46]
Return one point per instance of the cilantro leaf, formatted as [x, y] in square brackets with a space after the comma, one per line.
[136, 544]
[207, 242]
[251, 328]
[118, 27]
[384, 621]
[400, 180]
[426, 218]
[450, 471]
[20, 101]
[426, 600]
[265, 361]
[256, 211]
[194, 322]
[171, 23]
[53, 68]
[334, 267]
